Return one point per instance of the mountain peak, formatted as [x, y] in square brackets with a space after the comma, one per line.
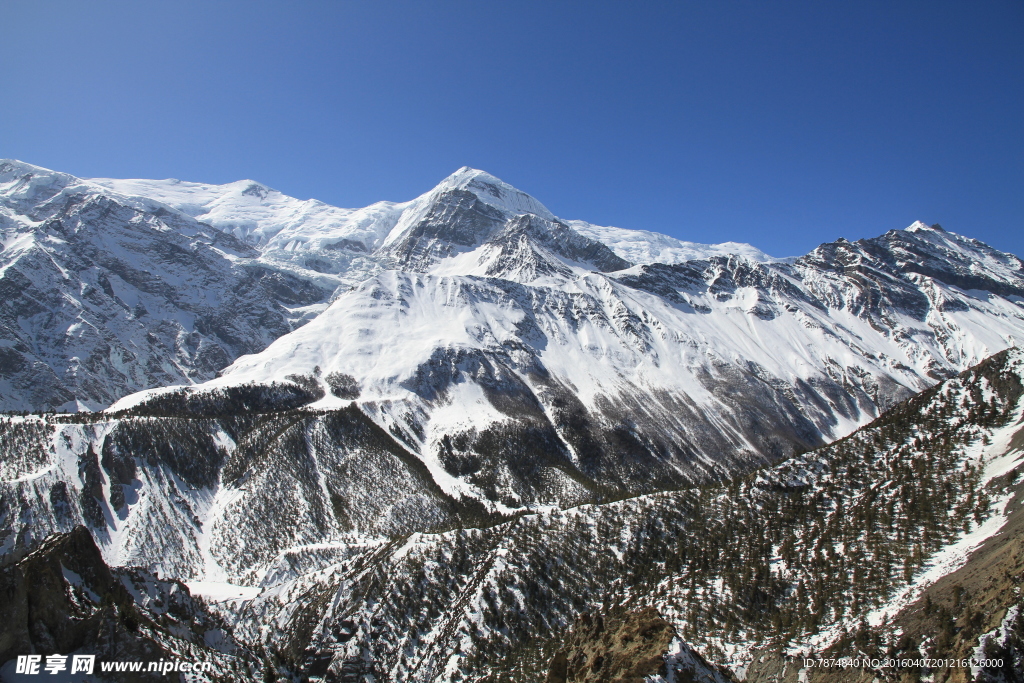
[13, 165]
[921, 226]
[493, 191]
[467, 174]
[12, 171]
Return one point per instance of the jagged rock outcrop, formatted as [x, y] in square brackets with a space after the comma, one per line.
[62, 598]
[628, 646]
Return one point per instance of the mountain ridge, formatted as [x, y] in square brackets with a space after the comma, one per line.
[292, 254]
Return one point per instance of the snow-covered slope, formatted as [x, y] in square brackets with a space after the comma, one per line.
[307, 238]
[259, 215]
[645, 247]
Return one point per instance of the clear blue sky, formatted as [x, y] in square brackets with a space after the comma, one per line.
[782, 124]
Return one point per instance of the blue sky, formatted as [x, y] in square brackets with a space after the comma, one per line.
[782, 124]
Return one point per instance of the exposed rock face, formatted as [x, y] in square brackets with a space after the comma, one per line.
[62, 598]
[618, 647]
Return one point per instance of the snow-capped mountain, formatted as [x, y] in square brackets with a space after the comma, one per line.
[72, 344]
[479, 318]
[105, 294]
[420, 400]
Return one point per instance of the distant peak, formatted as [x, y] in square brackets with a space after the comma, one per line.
[468, 172]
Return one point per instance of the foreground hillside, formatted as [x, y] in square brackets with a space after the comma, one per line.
[62, 598]
[899, 539]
